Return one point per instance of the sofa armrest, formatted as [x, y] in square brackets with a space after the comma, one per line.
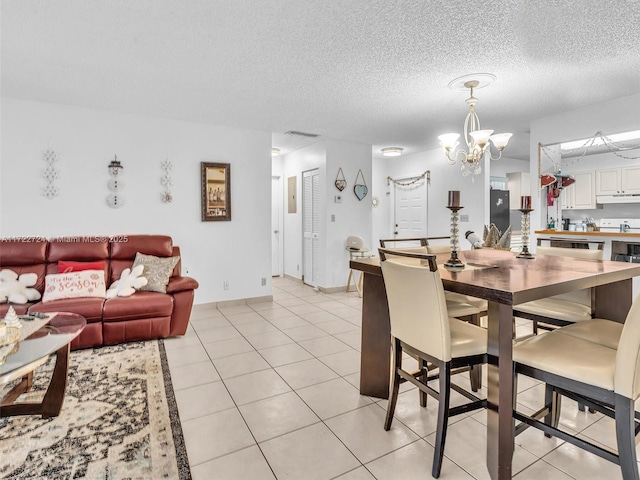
[179, 284]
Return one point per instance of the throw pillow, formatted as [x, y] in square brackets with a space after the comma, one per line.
[66, 266]
[87, 283]
[14, 289]
[130, 281]
[157, 270]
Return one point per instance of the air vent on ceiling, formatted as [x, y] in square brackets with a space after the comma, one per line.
[302, 134]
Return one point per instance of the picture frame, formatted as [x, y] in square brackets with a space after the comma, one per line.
[216, 191]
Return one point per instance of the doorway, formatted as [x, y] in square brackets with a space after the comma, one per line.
[310, 227]
[277, 247]
[409, 212]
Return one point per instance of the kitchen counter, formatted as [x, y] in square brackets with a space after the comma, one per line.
[588, 234]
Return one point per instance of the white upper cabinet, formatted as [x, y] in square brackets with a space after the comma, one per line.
[617, 181]
[581, 194]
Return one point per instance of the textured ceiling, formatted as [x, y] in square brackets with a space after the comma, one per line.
[370, 71]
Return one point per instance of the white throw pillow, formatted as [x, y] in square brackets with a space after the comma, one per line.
[130, 281]
[14, 289]
[88, 283]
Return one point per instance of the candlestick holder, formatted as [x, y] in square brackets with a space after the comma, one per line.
[525, 253]
[454, 263]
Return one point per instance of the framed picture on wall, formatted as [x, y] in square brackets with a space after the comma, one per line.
[216, 191]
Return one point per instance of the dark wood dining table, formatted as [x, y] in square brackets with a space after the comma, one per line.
[504, 281]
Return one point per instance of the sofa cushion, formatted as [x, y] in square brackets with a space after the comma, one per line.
[137, 306]
[66, 266]
[27, 255]
[89, 307]
[124, 251]
[157, 271]
[88, 283]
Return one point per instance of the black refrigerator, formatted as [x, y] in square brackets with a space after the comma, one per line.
[499, 211]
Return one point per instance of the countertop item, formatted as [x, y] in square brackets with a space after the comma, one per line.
[587, 234]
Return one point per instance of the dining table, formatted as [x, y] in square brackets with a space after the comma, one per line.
[505, 281]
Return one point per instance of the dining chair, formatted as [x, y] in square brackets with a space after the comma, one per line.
[564, 309]
[564, 360]
[462, 307]
[421, 325]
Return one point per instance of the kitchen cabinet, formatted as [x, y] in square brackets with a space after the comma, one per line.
[614, 181]
[518, 184]
[580, 195]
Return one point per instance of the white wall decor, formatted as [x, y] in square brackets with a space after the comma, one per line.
[115, 199]
[166, 181]
[50, 174]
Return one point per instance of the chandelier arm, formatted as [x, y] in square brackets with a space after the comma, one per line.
[495, 158]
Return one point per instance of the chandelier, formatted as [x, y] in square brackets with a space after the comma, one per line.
[478, 141]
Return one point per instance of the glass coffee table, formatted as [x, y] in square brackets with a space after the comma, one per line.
[52, 338]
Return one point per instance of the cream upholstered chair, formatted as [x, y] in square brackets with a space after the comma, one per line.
[595, 368]
[564, 309]
[421, 325]
[479, 303]
[463, 308]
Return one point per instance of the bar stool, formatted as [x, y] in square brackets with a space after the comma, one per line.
[357, 250]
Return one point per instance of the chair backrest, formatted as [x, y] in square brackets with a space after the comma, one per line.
[627, 374]
[355, 242]
[417, 306]
[583, 253]
[582, 297]
[439, 248]
[408, 242]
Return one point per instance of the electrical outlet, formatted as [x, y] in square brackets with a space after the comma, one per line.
[298, 267]
[333, 217]
[464, 218]
[225, 285]
[263, 281]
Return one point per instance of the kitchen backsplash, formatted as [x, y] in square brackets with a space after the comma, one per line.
[621, 210]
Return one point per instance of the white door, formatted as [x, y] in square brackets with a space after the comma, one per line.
[410, 209]
[276, 226]
[311, 227]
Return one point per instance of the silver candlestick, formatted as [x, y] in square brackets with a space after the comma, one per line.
[525, 253]
[454, 262]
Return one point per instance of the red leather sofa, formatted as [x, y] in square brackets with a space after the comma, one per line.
[142, 316]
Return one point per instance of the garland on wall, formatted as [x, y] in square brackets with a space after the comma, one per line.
[425, 175]
[598, 139]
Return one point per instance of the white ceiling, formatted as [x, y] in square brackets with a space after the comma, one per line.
[370, 71]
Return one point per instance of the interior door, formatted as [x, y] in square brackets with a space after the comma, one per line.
[311, 227]
[276, 226]
[410, 209]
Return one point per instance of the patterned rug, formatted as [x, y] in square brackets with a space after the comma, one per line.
[119, 421]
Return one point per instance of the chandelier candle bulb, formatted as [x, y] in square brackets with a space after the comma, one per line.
[454, 198]
[525, 201]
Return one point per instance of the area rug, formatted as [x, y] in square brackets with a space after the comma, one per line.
[119, 421]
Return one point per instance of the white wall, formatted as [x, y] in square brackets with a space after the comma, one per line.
[352, 217]
[302, 160]
[213, 252]
[615, 116]
[444, 177]
[500, 168]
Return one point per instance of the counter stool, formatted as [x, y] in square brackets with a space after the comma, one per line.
[357, 250]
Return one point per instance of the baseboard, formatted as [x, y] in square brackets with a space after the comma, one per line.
[236, 302]
[332, 289]
[291, 277]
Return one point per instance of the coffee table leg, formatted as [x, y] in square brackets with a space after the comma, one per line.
[53, 398]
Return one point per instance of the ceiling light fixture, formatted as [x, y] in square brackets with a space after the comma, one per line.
[392, 151]
[275, 152]
[478, 141]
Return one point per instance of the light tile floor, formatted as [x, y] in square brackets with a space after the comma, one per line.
[270, 390]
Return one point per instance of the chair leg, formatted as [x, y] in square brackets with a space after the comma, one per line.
[625, 433]
[396, 363]
[424, 378]
[443, 417]
[475, 376]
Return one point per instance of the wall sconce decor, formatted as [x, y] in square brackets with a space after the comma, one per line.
[167, 182]
[115, 200]
[50, 174]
